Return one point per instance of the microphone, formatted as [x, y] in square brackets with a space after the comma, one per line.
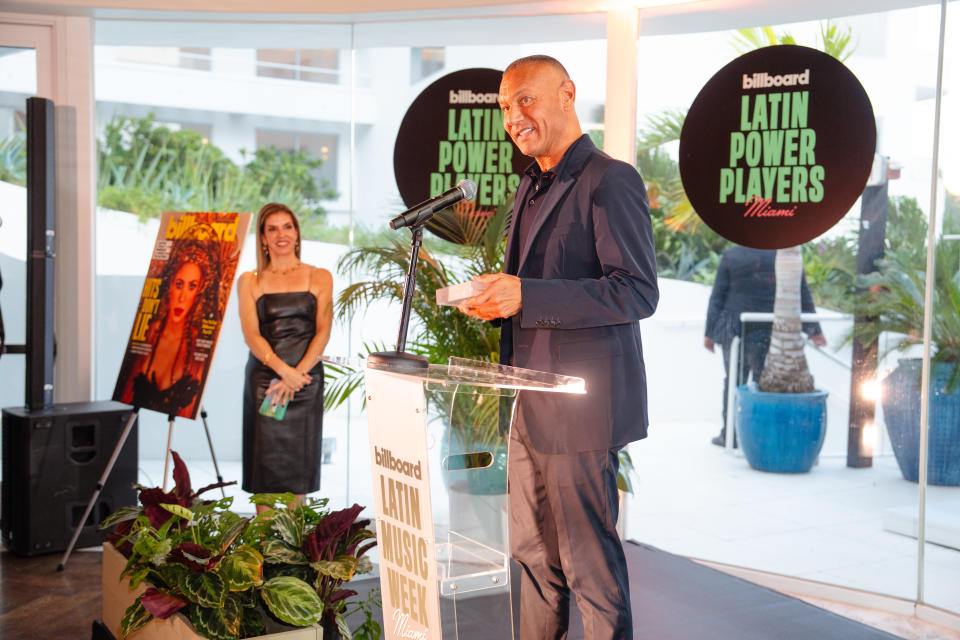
[465, 190]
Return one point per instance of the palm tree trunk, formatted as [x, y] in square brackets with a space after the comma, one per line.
[785, 369]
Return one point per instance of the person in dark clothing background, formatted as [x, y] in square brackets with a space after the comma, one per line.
[746, 281]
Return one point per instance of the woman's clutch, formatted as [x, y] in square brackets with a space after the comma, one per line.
[269, 408]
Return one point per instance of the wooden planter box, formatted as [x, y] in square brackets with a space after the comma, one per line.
[117, 596]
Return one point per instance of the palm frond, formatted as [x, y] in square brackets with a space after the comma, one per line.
[835, 42]
[661, 128]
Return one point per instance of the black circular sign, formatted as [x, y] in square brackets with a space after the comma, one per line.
[777, 146]
[453, 131]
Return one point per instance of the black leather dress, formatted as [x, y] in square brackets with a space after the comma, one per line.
[283, 455]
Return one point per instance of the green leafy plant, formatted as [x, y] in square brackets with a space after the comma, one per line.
[894, 296]
[686, 249]
[335, 548]
[830, 265]
[369, 628]
[146, 168]
[231, 576]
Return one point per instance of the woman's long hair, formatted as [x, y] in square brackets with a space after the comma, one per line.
[267, 210]
[205, 304]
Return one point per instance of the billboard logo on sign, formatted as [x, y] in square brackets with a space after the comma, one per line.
[763, 80]
[385, 459]
[466, 96]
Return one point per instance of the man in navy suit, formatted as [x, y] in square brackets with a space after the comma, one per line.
[580, 272]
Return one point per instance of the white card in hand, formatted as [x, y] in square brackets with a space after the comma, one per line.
[456, 293]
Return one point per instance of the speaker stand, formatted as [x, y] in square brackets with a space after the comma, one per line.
[100, 483]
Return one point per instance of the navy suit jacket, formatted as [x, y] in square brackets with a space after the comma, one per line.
[588, 274]
[747, 281]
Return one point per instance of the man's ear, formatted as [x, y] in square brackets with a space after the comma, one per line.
[568, 94]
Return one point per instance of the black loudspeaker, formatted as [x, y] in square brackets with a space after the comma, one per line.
[52, 462]
[41, 245]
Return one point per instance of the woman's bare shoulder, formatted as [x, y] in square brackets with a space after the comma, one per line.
[246, 279]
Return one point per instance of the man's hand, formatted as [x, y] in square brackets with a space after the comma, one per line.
[501, 298]
[708, 344]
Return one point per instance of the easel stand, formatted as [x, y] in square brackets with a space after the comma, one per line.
[113, 459]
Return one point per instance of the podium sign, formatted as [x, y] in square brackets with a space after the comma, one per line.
[438, 460]
[401, 489]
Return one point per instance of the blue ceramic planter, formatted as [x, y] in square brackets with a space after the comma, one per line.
[781, 432]
[901, 410]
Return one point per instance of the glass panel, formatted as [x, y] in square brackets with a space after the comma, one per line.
[941, 571]
[326, 59]
[473, 546]
[425, 61]
[835, 524]
[175, 138]
[277, 63]
[454, 452]
[18, 81]
[195, 58]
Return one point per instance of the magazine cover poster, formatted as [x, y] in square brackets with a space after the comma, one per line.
[181, 308]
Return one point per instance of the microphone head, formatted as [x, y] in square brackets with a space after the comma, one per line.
[467, 188]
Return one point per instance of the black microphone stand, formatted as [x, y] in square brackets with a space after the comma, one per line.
[399, 360]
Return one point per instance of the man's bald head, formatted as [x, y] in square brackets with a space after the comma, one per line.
[537, 99]
[539, 59]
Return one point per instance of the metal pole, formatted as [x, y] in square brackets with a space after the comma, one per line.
[928, 313]
[213, 456]
[166, 454]
[733, 375]
[100, 483]
[409, 286]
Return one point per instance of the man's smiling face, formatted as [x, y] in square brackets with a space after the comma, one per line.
[535, 99]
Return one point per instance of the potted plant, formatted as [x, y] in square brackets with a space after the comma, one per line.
[894, 295]
[782, 421]
[230, 576]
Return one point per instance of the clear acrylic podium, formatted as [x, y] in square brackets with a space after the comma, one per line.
[438, 451]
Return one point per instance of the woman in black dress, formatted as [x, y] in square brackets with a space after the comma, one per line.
[285, 312]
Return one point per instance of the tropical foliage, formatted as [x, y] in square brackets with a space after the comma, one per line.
[146, 168]
[232, 575]
[437, 333]
[894, 295]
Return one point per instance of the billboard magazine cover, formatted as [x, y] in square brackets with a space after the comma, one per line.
[181, 308]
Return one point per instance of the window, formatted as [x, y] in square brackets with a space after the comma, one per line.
[195, 58]
[319, 146]
[307, 65]
[425, 61]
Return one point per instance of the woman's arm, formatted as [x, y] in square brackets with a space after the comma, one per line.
[293, 379]
[321, 285]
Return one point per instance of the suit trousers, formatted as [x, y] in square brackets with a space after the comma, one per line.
[563, 515]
